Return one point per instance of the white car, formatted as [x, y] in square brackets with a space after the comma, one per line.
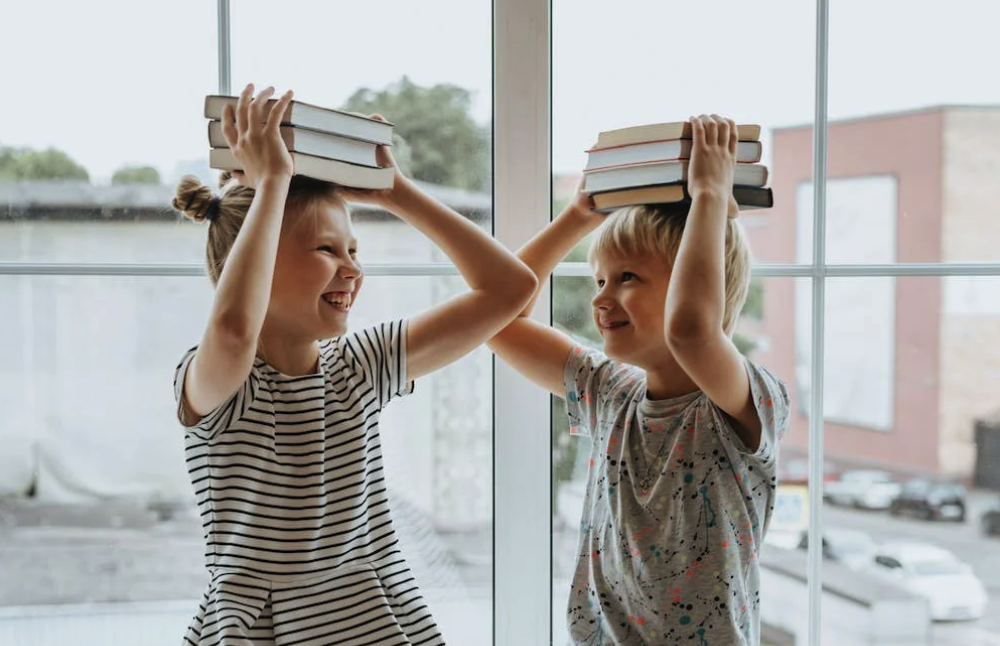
[951, 588]
[868, 489]
[853, 548]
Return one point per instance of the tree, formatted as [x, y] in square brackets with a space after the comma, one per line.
[135, 175]
[25, 164]
[444, 143]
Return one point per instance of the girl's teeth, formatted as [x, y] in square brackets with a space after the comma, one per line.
[343, 301]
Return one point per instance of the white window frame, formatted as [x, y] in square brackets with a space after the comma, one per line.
[522, 38]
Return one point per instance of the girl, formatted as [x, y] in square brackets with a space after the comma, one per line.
[281, 406]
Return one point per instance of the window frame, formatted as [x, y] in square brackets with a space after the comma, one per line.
[522, 40]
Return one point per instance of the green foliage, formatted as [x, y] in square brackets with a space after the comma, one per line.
[444, 145]
[135, 175]
[26, 164]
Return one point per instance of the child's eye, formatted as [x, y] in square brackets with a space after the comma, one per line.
[600, 283]
[327, 248]
[628, 276]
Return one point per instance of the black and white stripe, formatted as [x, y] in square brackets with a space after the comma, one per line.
[289, 481]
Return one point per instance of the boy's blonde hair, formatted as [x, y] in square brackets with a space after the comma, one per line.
[193, 199]
[638, 230]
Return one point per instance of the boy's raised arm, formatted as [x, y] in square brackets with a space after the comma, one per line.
[695, 298]
[538, 351]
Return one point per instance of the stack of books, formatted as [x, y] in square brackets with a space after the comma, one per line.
[648, 164]
[326, 144]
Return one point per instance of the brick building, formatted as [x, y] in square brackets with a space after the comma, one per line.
[911, 363]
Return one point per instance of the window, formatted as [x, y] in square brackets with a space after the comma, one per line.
[889, 333]
[125, 100]
[888, 562]
[107, 292]
[907, 325]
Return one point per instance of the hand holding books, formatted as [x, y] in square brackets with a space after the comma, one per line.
[324, 143]
[650, 164]
[713, 159]
[251, 131]
[381, 197]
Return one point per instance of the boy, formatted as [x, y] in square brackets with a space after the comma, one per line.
[684, 428]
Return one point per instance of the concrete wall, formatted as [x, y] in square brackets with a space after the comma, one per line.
[970, 328]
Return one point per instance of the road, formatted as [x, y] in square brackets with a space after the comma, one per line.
[965, 540]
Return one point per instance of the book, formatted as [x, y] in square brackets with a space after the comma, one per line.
[748, 197]
[311, 142]
[328, 170]
[668, 172]
[747, 152]
[306, 115]
[661, 132]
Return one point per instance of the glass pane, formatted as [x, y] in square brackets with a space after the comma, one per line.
[784, 559]
[98, 138]
[912, 441]
[429, 72]
[615, 84]
[914, 142]
[97, 506]
[763, 324]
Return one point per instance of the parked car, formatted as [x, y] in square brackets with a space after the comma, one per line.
[864, 488]
[853, 548]
[931, 500]
[951, 588]
[990, 520]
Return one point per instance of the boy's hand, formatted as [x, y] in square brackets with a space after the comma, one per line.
[582, 206]
[713, 159]
[253, 135]
[385, 197]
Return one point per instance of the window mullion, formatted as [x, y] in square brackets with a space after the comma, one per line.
[225, 49]
[816, 428]
[522, 429]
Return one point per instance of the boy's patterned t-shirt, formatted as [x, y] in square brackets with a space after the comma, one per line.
[675, 510]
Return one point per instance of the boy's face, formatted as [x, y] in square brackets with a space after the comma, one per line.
[317, 276]
[628, 307]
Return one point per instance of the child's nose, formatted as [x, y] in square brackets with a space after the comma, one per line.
[601, 302]
[351, 269]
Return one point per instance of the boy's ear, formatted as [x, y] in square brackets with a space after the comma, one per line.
[733, 210]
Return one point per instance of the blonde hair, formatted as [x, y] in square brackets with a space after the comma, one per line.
[195, 199]
[639, 230]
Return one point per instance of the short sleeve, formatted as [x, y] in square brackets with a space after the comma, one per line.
[227, 414]
[378, 355]
[593, 382]
[770, 397]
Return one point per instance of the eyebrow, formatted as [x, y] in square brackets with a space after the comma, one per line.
[323, 237]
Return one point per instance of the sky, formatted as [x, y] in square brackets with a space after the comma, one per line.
[115, 82]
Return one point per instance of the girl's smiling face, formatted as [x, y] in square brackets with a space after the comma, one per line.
[317, 276]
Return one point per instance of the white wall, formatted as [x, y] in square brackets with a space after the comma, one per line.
[860, 313]
[86, 369]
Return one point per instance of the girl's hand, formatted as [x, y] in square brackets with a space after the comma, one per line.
[385, 197]
[253, 135]
[713, 158]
